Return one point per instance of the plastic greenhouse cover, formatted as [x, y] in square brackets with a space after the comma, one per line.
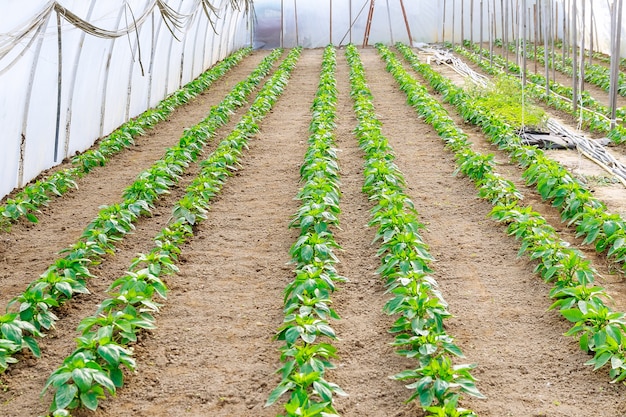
[308, 22]
[104, 81]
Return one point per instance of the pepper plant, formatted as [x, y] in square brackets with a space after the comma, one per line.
[306, 330]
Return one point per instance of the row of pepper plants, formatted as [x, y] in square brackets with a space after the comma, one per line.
[598, 75]
[102, 350]
[68, 274]
[405, 266]
[585, 98]
[38, 194]
[600, 330]
[594, 114]
[306, 330]
[577, 205]
[595, 54]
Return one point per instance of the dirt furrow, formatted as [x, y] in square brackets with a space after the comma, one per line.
[212, 353]
[366, 360]
[526, 367]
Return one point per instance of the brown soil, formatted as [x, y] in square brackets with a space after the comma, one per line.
[213, 354]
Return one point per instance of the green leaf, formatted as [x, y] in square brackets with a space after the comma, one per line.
[306, 253]
[323, 391]
[82, 378]
[65, 394]
[104, 380]
[600, 360]
[426, 397]
[109, 353]
[89, 400]
[278, 391]
[117, 376]
[572, 314]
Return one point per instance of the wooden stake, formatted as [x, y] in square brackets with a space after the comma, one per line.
[368, 25]
[406, 23]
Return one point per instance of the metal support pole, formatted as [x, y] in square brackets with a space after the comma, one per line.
[574, 59]
[616, 25]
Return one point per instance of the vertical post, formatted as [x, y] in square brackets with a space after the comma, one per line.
[574, 60]
[582, 52]
[462, 21]
[453, 18]
[565, 38]
[502, 20]
[350, 14]
[389, 22]
[472, 23]
[616, 24]
[489, 39]
[535, 29]
[331, 23]
[480, 40]
[443, 26]
[546, 31]
[515, 28]
[59, 85]
[492, 35]
[282, 23]
[505, 40]
[406, 23]
[591, 25]
[295, 13]
[368, 25]
[554, 33]
[524, 37]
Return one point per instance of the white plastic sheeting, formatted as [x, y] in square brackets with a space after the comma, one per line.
[463, 15]
[308, 22]
[316, 23]
[62, 87]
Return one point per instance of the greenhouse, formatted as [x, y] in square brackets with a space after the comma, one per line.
[313, 208]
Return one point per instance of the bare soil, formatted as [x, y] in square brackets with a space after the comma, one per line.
[213, 353]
